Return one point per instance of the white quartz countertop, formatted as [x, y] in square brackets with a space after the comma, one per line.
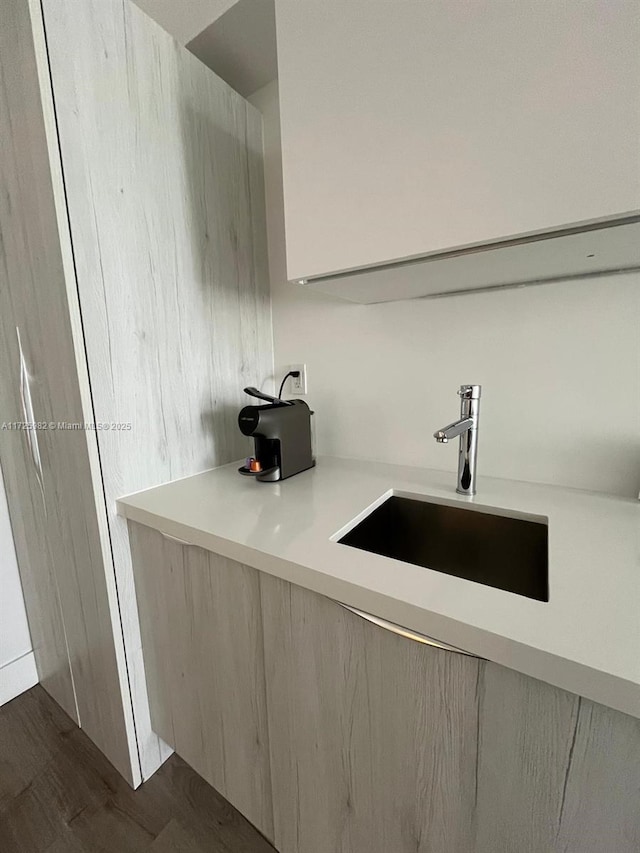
[585, 639]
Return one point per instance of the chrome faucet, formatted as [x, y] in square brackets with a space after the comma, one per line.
[467, 429]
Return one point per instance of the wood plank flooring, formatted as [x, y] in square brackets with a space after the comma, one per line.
[59, 794]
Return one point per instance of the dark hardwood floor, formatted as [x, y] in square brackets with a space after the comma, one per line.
[59, 794]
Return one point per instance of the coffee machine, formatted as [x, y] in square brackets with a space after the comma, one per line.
[282, 434]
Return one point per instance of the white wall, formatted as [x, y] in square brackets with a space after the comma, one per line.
[17, 664]
[559, 365]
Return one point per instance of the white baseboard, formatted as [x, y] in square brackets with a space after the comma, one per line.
[17, 676]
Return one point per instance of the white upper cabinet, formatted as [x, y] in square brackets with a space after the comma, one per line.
[415, 128]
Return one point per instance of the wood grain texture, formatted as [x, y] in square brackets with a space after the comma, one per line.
[91, 487]
[600, 807]
[525, 740]
[59, 794]
[375, 742]
[556, 772]
[29, 254]
[163, 171]
[372, 737]
[202, 635]
[35, 247]
[378, 743]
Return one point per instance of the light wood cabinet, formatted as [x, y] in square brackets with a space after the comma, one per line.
[414, 129]
[46, 473]
[133, 263]
[202, 638]
[380, 743]
[163, 175]
[335, 735]
[555, 772]
[30, 533]
[373, 737]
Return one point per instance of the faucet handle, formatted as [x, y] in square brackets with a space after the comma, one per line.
[470, 392]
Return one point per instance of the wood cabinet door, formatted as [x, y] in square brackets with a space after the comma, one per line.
[373, 737]
[30, 269]
[379, 744]
[42, 298]
[29, 524]
[556, 773]
[202, 640]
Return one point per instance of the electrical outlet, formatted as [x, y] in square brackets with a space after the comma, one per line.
[299, 383]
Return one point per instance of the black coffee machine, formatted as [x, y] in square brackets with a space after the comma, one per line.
[282, 434]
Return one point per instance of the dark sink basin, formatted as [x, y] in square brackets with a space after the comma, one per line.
[494, 550]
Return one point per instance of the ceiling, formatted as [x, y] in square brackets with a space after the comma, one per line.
[235, 38]
[241, 45]
[184, 19]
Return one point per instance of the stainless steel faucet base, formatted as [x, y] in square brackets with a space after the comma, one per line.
[467, 428]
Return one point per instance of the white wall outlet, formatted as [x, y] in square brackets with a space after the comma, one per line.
[299, 383]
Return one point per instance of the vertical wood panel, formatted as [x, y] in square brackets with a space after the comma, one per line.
[163, 169]
[36, 248]
[525, 742]
[30, 272]
[600, 806]
[372, 736]
[154, 608]
[556, 772]
[202, 637]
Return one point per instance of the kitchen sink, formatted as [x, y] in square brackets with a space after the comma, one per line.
[506, 552]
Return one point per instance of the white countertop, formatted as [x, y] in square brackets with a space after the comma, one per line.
[585, 639]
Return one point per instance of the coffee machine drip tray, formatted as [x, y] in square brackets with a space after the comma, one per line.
[270, 473]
